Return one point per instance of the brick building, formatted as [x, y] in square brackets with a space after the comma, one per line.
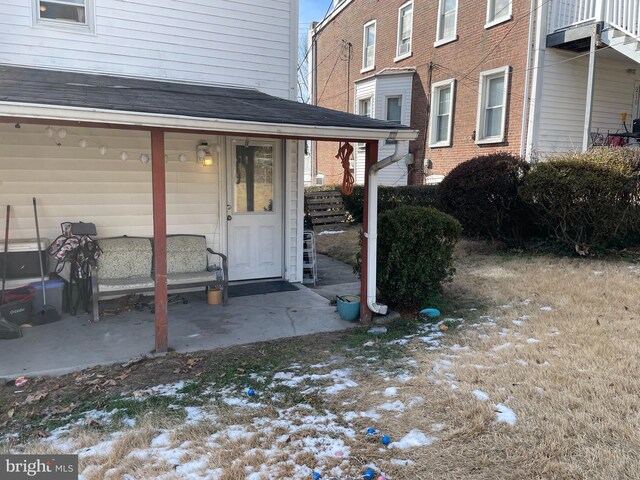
[463, 68]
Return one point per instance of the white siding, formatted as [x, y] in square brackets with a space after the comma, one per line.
[388, 86]
[364, 89]
[247, 43]
[78, 184]
[293, 241]
[379, 88]
[564, 98]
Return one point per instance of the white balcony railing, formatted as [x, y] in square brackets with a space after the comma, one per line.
[621, 14]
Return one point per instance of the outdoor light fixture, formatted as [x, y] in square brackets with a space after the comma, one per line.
[204, 154]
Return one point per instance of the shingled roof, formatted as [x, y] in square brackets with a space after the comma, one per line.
[68, 89]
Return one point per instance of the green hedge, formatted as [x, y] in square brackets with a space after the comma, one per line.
[409, 277]
[482, 193]
[388, 198]
[588, 202]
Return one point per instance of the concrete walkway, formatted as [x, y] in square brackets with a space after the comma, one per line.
[73, 343]
[335, 278]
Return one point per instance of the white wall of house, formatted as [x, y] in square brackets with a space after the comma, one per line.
[249, 43]
[79, 184]
[74, 184]
[563, 99]
[387, 86]
[378, 88]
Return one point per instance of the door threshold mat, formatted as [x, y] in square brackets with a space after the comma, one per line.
[260, 288]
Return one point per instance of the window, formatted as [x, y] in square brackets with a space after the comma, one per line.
[447, 17]
[498, 11]
[492, 105]
[364, 107]
[369, 47]
[64, 13]
[393, 112]
[405, 27]
[441, 113]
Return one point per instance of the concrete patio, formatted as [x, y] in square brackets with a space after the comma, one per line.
[74, 343]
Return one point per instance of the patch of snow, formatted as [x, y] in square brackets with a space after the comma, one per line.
[533, 340]
[331, 232]
[390, 391]
[480, 395]
[392, 406]
[339, 387]
[597, 273]
[437, 427]
[522, 362]
[162, 440]
[517, 323]
[377, 330]
[505, 414]
[546, 309]
[415, 438]
[526, 301]
[501, 347]
[402, 463]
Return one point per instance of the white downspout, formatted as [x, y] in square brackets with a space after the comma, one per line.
[527, 77]
[372, 234]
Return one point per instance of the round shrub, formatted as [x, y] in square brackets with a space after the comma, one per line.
[482, 193]
[588, 202]
[415, 254]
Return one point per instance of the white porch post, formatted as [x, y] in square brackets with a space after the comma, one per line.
[588, 112]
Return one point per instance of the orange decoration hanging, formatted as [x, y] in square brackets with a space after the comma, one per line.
[344, 153]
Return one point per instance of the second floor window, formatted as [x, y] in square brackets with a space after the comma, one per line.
[369, 46]
[393, 112]
[447, 13]
[73, 11]
[364, 107]
[492, 107]
[498, 11]
[405, 27]
[441, 113]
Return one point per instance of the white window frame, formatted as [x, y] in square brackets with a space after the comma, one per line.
[87, 27]
[440, 40]
[505, 16]
[365, 67]
[485, 77]
[386, 111]
[402, 56]
[436, 88]
[361, 147]
[361, 99]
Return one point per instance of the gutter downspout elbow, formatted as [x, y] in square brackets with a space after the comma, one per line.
[372, 234]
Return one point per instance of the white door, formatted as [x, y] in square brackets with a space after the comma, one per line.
[254, 209]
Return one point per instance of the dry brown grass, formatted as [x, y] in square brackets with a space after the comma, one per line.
[574, 391]
[342, 246]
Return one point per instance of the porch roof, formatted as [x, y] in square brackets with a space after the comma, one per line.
[80, 97]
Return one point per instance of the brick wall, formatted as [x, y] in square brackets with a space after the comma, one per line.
[477, 49]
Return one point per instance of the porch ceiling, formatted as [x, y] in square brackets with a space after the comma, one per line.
[78, 97]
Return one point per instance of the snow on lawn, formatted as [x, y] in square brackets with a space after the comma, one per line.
[505, 414]
[415, 438]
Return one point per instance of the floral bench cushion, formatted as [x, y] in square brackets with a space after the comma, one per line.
[124, 257]
[186, 254]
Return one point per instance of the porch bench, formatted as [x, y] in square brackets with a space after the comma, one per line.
[125, 267]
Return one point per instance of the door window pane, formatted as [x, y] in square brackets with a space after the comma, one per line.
[253, 191]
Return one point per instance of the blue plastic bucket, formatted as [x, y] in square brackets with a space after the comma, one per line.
[348, 307]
